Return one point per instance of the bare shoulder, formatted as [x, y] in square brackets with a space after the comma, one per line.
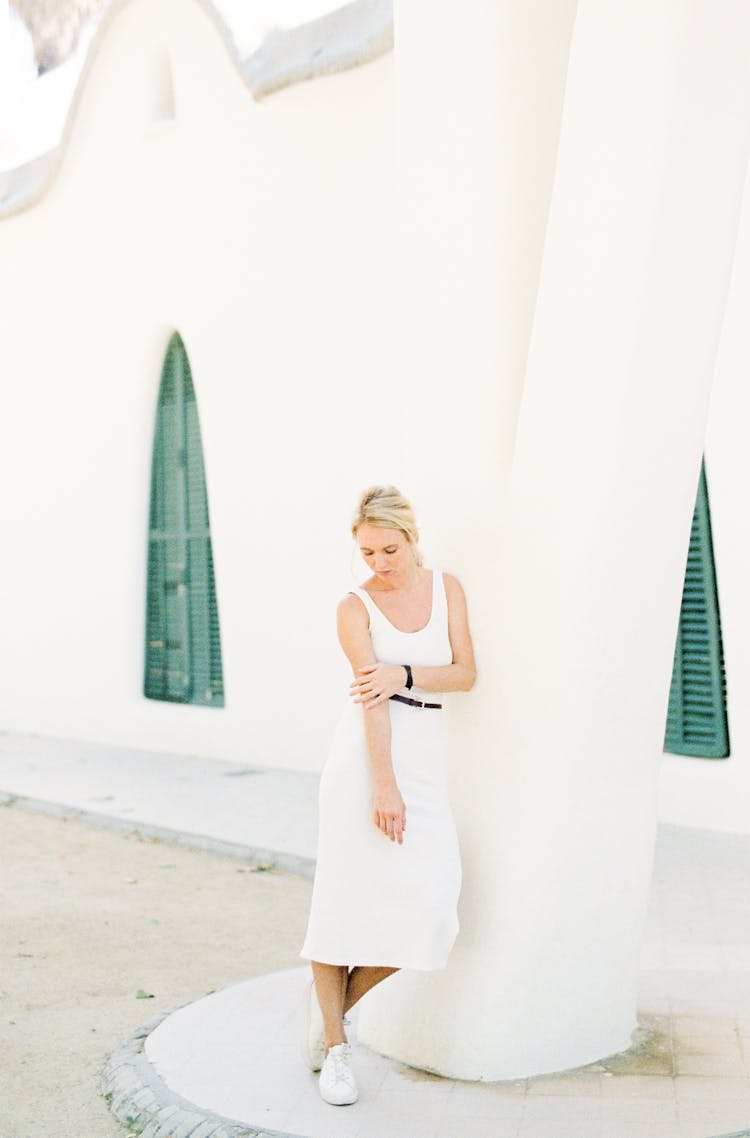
[455, 600]
[352, 607]
[453, 586]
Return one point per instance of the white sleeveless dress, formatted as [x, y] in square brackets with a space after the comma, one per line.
[376, 901]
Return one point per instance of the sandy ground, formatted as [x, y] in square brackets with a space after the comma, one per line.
[90, 916]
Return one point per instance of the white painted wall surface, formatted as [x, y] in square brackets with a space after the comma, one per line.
[582, 550]
[257, 230]
[715, 794]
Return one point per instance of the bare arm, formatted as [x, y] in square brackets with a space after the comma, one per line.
[460, 675]
[388, 805]
[376, 682]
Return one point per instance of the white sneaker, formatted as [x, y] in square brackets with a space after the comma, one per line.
[336, 1082]
[313, 1043]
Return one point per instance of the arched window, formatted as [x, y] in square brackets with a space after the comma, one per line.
[697, 715]
[183, 645]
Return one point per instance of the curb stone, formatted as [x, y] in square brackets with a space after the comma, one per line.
[141, 1100]
[258, 858]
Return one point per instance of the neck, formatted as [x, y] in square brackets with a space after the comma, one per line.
[410, 581]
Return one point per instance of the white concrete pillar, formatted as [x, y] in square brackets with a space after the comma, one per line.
[573, 557]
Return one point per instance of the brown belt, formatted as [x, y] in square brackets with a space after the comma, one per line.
[414, 702]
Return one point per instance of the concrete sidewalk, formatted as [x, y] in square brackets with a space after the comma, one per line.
[265, 815]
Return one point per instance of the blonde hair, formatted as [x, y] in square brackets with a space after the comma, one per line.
[387, 506]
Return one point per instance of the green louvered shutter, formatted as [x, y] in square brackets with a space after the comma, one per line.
[183, 644]
[697, 714]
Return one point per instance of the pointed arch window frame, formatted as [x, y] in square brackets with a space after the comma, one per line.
[697, 722]
[183, 658]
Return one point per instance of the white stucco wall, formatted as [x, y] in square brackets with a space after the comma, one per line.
[258, 231]
[267, 233]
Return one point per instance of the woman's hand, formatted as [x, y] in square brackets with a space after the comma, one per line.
[390, 812]
[377, 682]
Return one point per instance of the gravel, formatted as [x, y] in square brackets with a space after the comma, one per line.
[102, 931]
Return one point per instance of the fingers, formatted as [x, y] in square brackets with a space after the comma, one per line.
[368, 696]
[392, 825]
[383, 823]
[386, 828]
[387, 825]
[371, 685]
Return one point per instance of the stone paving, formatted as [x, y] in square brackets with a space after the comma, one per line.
[234, 1052]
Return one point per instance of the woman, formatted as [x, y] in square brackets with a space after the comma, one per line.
[388, 872]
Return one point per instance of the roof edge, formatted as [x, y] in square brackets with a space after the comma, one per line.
[24, 184]
[343, 39]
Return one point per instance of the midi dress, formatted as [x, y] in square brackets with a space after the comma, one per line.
[376, 901]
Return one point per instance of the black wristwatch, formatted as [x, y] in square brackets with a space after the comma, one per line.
[409, 680]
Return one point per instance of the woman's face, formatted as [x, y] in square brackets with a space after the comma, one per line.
[387, 552]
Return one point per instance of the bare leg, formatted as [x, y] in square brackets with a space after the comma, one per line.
[330, 988]
[361, 978]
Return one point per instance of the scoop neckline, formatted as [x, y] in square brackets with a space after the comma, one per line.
[402, 631]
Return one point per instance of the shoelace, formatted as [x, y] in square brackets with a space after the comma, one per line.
[341, 1071]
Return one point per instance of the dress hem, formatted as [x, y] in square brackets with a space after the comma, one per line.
[373, 963]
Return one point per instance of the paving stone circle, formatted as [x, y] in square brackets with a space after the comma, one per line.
[141, 1100]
